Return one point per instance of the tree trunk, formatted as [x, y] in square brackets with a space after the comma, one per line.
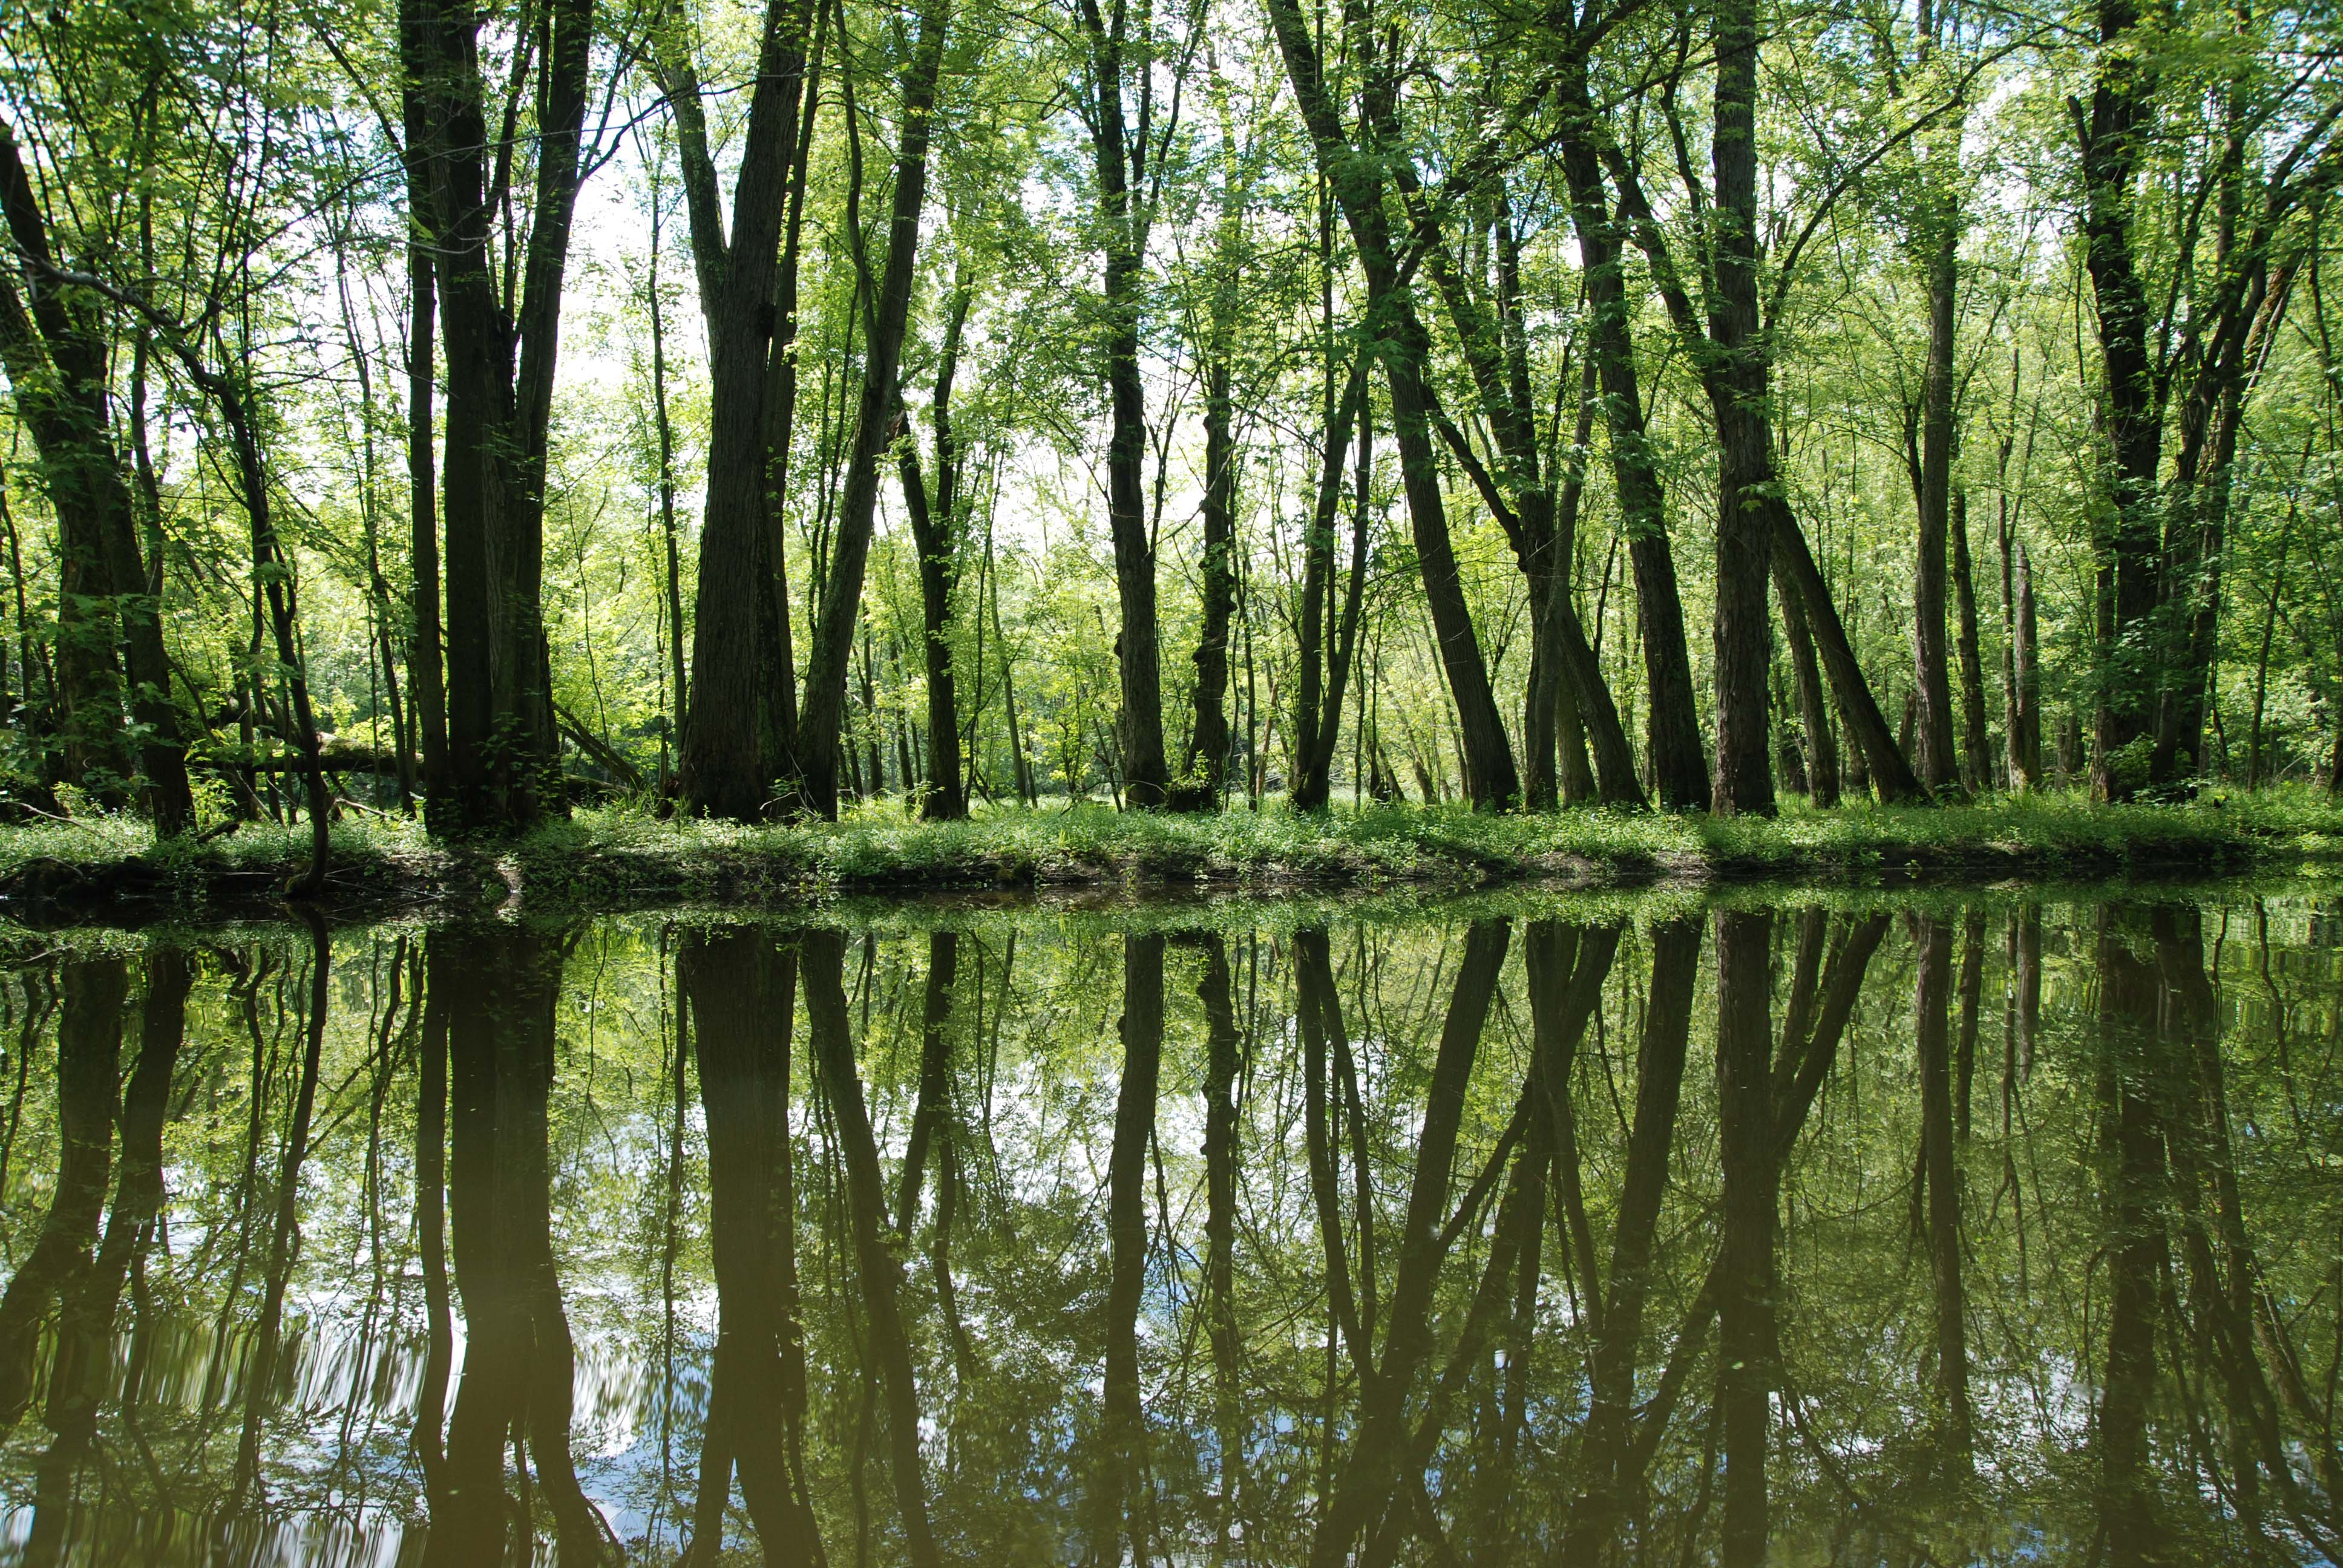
[1746, 482]
[67, 406]
[1867, 727]
[935, 534]
[679, 682]
[1205, 768]
[503, 746]
[1404, 348]
[427, 676]
[1123, 221]
[2026, 718]
[2115, 142]
[820, 725]
[1323, 659]
[738, 731]
[1934, 758]
[1821, 741]
[1672, 724]
[1976, 750]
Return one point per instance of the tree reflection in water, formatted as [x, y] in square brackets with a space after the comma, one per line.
[1647, 1233]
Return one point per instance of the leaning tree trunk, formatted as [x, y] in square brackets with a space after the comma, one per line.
[1672, 725]
[1404, 348]
[821, 724]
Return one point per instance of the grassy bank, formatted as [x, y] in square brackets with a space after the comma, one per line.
[608, 860]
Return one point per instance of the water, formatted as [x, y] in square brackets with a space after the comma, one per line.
[1957, 1227]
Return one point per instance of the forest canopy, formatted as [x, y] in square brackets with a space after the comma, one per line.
[749, 406]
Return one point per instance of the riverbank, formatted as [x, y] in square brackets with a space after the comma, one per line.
[604, 860]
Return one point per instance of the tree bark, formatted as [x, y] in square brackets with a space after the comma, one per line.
[1123, 218]
[1814, 727]
[2026, 718]
[504, 758]
[2115, 143]
[1746, 482]
[1976, 750]
[738, 729]
[1404, 348]
[1934, 758]
[1325, 660]
[1672, 724]
[1206, 766]
[67, 406]
[820, 725]
[935, 534]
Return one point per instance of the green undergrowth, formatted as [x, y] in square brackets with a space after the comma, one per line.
[621, 857]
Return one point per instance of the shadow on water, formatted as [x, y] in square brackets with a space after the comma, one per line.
[1943, 1232]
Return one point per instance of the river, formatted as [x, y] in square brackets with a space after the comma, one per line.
[1776, 1225]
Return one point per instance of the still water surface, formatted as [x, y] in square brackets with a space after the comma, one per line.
[1891, 1230]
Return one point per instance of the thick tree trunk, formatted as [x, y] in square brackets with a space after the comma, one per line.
[738, 731]
[2115, 142]
[1123, 222]
[1746, 482]
[503, 740]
